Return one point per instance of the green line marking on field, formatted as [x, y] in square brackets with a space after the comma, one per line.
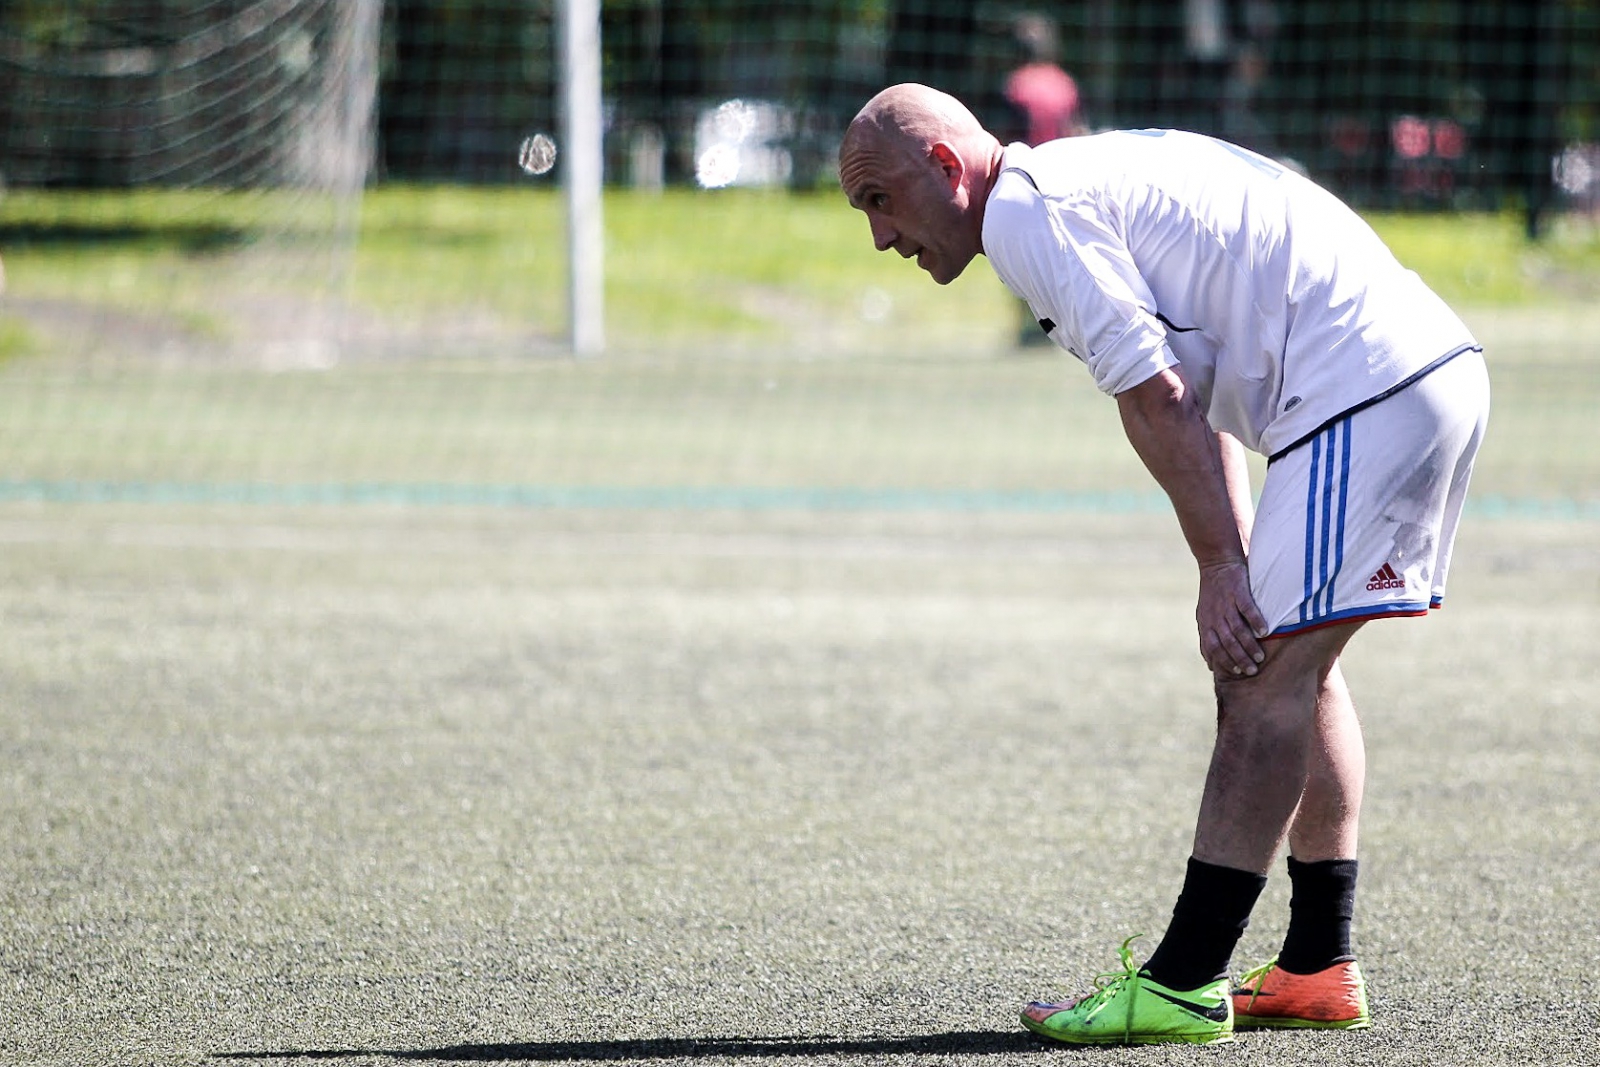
[682, 498]
[690, 498]
[1505, 507]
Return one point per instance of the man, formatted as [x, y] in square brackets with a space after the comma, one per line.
[1226, 303]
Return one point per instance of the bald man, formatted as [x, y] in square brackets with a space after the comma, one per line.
[1226, 303]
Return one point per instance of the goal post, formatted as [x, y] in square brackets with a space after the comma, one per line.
[583, 133]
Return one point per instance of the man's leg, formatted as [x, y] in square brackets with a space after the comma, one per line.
[1270, 736]
[1314, 981]
[1322, 838]
[1327, 823]
[1268, 727]
[1269, 732]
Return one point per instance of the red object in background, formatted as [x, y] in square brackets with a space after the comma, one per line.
[1048, 96]
[1350, 136]
[1449, 139]
[1411, 137]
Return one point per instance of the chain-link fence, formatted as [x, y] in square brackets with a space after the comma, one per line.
[299, 183]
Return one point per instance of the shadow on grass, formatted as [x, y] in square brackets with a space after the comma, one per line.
[965, 1043]
[195, 238]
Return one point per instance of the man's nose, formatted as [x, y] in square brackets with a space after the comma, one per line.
[883, 235]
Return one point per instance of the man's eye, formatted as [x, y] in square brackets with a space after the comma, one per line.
[878, 200]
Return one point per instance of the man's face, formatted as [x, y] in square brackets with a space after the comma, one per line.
[915, 203]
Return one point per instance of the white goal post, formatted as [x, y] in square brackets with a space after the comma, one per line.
[582, 119]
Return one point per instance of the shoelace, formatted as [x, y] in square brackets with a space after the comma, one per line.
[1251, 980]
[1106, 985]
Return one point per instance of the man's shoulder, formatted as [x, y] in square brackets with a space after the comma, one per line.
[1047, 170]
[1068, 164]
[1015, 203]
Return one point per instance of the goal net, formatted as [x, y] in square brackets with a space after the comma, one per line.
[336, 186]
[230, 138]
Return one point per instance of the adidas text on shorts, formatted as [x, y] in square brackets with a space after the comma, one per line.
[1358, 522]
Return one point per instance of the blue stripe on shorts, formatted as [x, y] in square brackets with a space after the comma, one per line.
[1327, 494]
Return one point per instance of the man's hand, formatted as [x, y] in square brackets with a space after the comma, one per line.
[1229, 621]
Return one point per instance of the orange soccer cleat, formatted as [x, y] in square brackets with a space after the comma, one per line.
[1271, 998]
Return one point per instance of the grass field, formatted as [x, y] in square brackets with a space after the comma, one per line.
[443, 272]
[374, 785]
[820, 692]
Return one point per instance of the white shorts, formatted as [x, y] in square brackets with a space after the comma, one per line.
[1358, 522]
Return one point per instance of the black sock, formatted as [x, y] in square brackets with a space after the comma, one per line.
[1320, 910]
[1211, 914]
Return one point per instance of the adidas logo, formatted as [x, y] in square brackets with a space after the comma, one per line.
[1386, 578]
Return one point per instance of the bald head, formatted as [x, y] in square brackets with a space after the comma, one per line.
[915, 117]
[921, 166]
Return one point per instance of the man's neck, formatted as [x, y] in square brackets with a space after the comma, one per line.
[993, 161]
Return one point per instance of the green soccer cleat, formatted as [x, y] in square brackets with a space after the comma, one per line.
[1127, 1007]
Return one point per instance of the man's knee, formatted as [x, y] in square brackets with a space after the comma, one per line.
[1281, 699]
[1292, 659]
[1247, 708]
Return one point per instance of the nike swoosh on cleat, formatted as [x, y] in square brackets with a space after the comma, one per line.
[1217, 1013]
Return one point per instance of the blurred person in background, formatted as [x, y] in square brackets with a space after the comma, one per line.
[1228, 48]
[1042, 97]
[1041, 103]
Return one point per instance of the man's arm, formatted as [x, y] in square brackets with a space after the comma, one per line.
[1204, 475]
[1236, 473]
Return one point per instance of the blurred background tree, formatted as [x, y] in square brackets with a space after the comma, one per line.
[1407, 103]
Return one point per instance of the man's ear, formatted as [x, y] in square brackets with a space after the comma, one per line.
[950, 162]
